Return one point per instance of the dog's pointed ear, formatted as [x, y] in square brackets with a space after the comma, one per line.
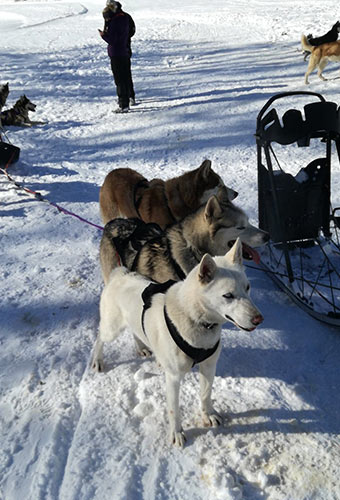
[234, 256]
[212, 208]
[207, 269]
[226, 194]
[205, 169]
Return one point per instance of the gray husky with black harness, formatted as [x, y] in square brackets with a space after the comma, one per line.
[172, 253]
[181, 324]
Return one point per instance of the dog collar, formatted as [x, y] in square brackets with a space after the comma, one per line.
[195, 353]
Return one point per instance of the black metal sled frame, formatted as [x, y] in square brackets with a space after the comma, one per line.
[303, 255]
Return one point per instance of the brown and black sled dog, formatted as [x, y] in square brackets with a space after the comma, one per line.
[126, 193]
[320, 56]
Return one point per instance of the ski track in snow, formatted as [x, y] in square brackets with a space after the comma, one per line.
[202, 73]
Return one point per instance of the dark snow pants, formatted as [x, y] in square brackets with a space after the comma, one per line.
[121, 70]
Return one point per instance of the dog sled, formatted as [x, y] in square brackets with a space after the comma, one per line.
[294, 199]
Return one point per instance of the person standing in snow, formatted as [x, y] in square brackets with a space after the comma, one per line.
[119, 28]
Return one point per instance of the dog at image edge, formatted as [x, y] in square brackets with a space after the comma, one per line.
[4, 91]
[181, 326]
[320, 56]
[17, 116]
[126, 193]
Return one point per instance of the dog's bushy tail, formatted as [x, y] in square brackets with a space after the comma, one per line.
[305, 45]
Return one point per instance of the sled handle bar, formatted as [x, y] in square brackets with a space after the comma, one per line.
[285, 94]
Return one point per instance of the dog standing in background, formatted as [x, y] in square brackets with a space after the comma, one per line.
[320, 56]
[324, 53]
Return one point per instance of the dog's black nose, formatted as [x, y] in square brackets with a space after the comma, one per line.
[256, 320]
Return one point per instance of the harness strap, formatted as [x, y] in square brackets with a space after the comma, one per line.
[149, 292]
[195, 353]
[169, 210]
[140, 184]
[179, 271]
[135, 239]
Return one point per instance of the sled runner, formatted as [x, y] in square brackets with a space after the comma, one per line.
[303, 255]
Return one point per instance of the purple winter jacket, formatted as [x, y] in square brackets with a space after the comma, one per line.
[117, 35]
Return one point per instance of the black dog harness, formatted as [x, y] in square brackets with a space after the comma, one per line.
[138, 233]
[195, 353]
[149, 292]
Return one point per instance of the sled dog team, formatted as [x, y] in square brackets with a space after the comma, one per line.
[171, 257]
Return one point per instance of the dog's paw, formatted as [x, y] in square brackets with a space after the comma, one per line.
[178, 439]
[97, 365]
[212, 420]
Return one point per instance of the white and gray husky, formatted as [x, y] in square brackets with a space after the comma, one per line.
[172, 253]
[180, 325]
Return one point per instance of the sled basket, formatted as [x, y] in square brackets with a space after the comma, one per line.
[303, 204]
[303, 255]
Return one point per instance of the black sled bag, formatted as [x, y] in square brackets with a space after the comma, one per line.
[8, 153]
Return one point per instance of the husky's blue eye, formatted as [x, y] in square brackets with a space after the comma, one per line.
[228, 296]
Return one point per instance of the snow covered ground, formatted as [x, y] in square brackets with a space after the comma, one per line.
[202, 72]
